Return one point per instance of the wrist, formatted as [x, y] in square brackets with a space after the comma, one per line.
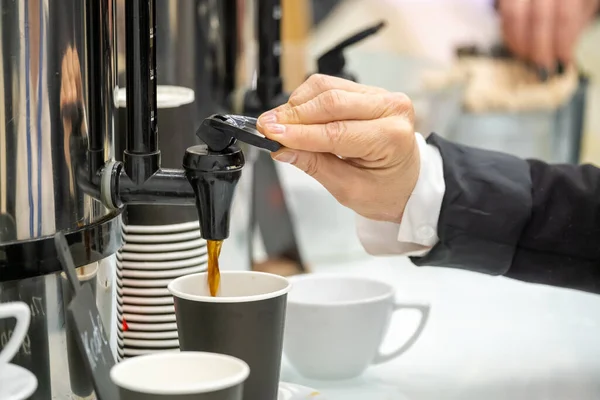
[421, 212]
[412, 165]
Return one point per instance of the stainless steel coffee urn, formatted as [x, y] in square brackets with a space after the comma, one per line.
[58, 81]
[58, 172]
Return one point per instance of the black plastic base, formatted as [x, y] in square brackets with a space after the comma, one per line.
[159, 215]
[26, 259]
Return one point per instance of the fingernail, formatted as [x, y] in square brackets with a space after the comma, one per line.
[275, 128]
[286, 157]
[267, 118]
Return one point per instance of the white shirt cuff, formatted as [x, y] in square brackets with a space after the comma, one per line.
[417, 233]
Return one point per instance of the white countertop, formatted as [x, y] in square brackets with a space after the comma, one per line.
[487, 338]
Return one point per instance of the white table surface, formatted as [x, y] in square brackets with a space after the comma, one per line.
[487, 338]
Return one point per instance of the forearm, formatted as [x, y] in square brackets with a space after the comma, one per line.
[559, 243]
[527, 220]
[486, 205]
[502, 215]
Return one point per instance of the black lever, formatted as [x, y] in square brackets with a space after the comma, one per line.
[219, 132]
[333, 61]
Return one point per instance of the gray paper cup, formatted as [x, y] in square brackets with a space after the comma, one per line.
[180, 376]
[245, 320]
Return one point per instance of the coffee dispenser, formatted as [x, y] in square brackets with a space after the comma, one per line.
[57, 116]
[59, 171]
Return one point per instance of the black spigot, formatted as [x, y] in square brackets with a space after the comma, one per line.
[333, 61]
[215, 167]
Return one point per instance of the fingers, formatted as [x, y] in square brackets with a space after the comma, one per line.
[69, 75]
[317, 84]
[77, 75]
[337, 105]
[333, 173]
[515, 21]
[570, 22]
[543, 33]
[350, 139]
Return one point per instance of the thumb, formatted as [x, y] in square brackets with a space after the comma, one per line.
[333, 173]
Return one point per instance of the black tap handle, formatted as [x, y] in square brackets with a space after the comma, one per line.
[219, 132]
[333, 61]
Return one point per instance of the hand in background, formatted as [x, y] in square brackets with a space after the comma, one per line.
[71, 108]
[545, 32]
[357, 141]
[71, 90]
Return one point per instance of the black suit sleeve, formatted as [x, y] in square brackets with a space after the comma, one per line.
[527, 220]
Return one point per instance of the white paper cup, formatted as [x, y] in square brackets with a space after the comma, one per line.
[129, 334]
[157, 265]
[185, 375]
[149, 327]
[164, 256]
[148, 343]
[161, 238]
[150, 310]
[158, 274]
[165, 247]
[146, 301]
[130, 317]
[142, 292]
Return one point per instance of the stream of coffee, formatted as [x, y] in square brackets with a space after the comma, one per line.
[214, 276]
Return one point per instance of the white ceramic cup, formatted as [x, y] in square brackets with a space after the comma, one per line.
[21, 312]
[336, 325]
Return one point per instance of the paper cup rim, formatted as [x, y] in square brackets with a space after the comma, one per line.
[172, 287]
[191, 388]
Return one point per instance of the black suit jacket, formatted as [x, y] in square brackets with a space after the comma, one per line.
[524, 219]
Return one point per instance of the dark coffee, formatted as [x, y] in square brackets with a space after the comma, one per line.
[214, 275]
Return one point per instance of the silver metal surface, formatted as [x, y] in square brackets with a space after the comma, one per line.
[55, 90]
[49, 350]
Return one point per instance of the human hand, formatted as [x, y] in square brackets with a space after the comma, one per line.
[71, 91]
[71, 107]
[358, 141]
[545, 32]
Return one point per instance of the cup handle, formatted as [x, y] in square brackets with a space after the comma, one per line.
[21, 312]
[424, 310]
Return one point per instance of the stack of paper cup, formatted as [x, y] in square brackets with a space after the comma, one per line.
[151, 257]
